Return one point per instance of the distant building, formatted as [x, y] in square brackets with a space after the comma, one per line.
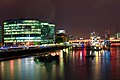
[28, 32]
[60, 31]
[61, 36]
[71, 37]
[107, 35]
[117, 35]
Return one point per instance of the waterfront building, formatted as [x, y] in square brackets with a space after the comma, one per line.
[47, 33]
[61, 36]
[60, 31]
[117, 35]
[27, 32]
[1, 36]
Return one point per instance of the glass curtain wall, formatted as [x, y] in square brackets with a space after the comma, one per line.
[28, 32]
[22, 31]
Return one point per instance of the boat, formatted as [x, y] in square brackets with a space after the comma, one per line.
[107, 42]
[77, 45]
[46, 58]
[106, 45]
[94, 43]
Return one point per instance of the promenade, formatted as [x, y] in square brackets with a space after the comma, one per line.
[12, 53]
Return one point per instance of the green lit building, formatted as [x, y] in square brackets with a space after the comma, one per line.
[1, 36]
[47, 33]
[28, 32]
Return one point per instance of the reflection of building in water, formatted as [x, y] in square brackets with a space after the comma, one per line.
[78, 54]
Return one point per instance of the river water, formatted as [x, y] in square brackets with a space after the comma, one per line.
[73, 65]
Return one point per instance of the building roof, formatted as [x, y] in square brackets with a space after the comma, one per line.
[20, 19]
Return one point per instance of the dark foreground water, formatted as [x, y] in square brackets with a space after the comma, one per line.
[73, 65]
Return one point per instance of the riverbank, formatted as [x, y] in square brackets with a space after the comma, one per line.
[6, 55]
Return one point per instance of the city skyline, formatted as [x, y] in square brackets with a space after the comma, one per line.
[78, 17]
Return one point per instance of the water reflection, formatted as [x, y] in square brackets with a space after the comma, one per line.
[72, 65]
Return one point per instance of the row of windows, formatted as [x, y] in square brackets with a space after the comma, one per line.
[21, 30]
[22, 27]
[30, 35]
[10, 26]
[23, 35]
[22, 22]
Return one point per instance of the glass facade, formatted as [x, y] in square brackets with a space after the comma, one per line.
[1, 34]
[27, 31]
[47, 33]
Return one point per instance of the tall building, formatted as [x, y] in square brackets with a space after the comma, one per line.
[26, 31]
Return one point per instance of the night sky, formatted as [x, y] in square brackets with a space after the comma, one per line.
[78, 17]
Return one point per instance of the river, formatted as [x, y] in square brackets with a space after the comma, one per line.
[73, 65]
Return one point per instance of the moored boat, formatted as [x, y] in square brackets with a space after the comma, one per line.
[46, 58]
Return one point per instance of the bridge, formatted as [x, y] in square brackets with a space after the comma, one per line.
[114, 42]
[87, 40]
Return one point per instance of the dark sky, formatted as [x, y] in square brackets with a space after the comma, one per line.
[77, 17]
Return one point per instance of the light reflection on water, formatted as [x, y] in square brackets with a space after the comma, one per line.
[73, 65]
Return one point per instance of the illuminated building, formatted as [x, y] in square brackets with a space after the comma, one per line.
[60, 32]
[1, 35]
[47, 33]
[28, 32]
[117, 35]
[61, 36]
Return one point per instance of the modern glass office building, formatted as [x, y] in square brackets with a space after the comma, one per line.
[1, 36]
[28, 32]
[47, 33]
